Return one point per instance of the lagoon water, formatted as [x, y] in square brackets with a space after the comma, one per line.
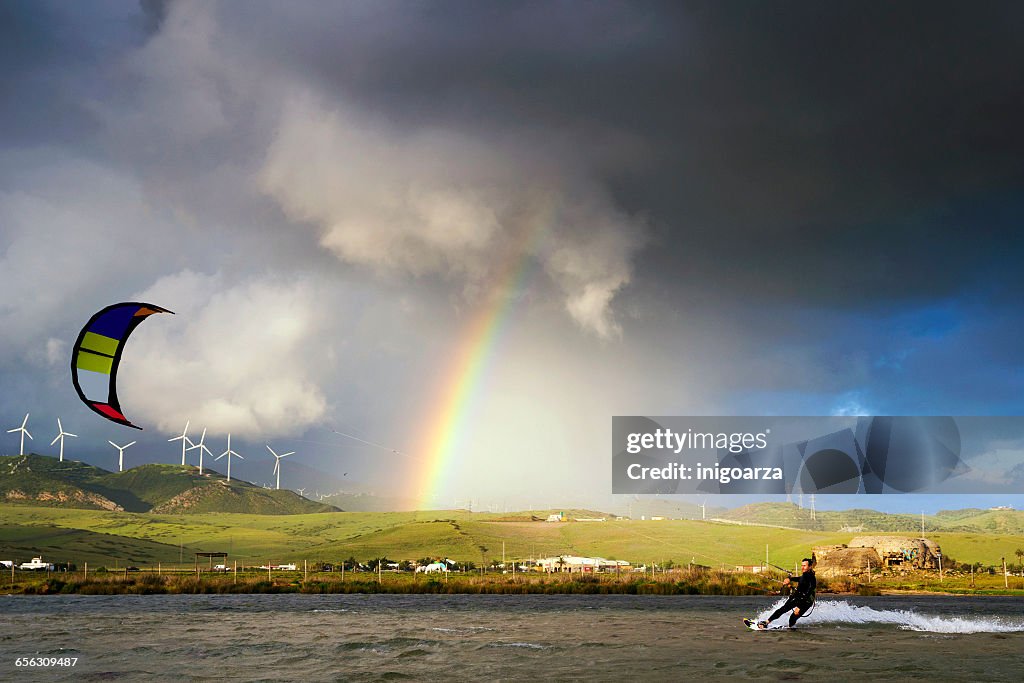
[506, 637]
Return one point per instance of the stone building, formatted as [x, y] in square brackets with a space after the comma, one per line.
[895, 553]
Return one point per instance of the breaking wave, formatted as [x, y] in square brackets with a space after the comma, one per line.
[838, 612]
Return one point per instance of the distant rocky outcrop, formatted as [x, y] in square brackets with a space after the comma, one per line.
[864, 553]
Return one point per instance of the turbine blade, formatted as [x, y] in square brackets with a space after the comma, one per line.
[55, 439]
[130, 444]
[70, 434]
[28, 434]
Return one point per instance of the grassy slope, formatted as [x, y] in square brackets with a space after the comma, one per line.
[969, 520]
[456, 534]
[60, 544]
[143, 488]
[32, 475]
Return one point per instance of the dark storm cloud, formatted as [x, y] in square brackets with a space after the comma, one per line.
[841, 153]
[53, 55]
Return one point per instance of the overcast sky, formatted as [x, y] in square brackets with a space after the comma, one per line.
[708, 208]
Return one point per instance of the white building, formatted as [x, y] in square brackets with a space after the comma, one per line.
[575, 563]
[36, 563]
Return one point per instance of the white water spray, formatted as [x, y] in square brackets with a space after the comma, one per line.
[837, 612]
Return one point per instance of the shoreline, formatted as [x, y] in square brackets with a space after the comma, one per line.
[685, 583]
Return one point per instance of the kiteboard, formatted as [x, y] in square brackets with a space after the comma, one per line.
[752, 625]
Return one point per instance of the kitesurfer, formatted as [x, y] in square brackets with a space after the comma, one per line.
[800, 599]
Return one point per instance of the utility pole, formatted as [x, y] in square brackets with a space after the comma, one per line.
[1006, 581]
[922, 523]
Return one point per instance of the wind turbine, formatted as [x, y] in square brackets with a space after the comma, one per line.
[301, 492]
[61, 434]
[120, 454]
[229, 453]
[21, 451]
[183, 438]
[202, 447]
[277, 463]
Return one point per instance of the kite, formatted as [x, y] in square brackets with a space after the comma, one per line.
[97, 353]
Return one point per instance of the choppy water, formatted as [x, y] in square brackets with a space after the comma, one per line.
[506, 637]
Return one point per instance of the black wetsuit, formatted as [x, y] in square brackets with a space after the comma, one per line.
[802, 597]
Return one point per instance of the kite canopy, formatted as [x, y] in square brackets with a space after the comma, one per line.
[97, 353]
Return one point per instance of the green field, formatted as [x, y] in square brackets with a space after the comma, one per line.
[122, 538]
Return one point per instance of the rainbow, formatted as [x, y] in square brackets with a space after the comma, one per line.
[445, 428]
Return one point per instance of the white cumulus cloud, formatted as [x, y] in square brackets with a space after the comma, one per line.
[244, 358]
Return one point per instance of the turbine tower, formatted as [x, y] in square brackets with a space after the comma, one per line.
[183, 438]
[120, 454]
[21, 451]
[60, 435]
[229, 453]
[202, 447]
[277, 463]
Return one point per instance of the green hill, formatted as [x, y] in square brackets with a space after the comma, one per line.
[45, 481]
[39, 480]
[124, 538]
[971, 520]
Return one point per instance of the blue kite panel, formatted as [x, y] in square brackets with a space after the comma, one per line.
[114, 323]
